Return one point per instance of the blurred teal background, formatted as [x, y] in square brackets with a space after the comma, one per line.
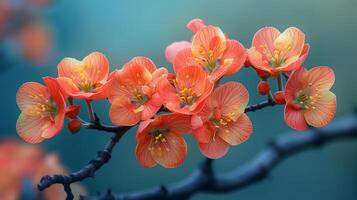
[124, 29]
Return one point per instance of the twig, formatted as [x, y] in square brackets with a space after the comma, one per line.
[260, 106]
[94, 165]
[205, 180]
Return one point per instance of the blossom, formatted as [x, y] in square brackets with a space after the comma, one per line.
[133, 92]
[185, 94]
[84, 79]
[309, 100]
[211, 50]
[42, 110]
[160, 140]
[222, 121]
[276, 52]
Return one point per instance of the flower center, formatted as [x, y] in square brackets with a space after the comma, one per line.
[222, 121]
[306, 101]
[186, 96]
[47, 108]
[82, 80]
[159, 135]
[206, 58]
[277, 57]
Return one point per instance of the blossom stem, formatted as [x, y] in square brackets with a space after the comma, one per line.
[90, 110]
[280, 83]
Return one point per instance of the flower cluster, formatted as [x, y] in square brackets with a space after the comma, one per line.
[190, 100]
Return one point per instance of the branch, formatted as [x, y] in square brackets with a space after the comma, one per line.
[259, 106]
[205, 180]
[94, 165]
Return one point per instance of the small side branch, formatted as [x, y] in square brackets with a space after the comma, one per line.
[259, 106]
[205, 180]
[94, 165]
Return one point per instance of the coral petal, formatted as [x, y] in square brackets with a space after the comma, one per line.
[173, 49]
[294, 118]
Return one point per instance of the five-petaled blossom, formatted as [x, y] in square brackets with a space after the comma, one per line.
[133, 92]
[309, 100]
[84, 79]
[160, 140]
[275, 52]
[210, 49]
[42, 110]
[222, 121]
[186, 93]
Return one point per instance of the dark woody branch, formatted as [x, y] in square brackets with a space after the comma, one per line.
[105, 154]
[205, 180]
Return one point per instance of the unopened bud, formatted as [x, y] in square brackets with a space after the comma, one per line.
[279, 97]
[263, 87]
[72, 111]
[74, 125]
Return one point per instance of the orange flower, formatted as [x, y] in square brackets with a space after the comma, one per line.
[84, 79]
[187, 91]
[212, 51]
[160, 141]
[222, 121]
[43, 110]
[309, 99]
[133, 92]
[276, 52]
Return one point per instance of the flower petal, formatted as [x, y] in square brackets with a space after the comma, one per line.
[235, 54]
[291, 41]
[216, 148]
[237, 132]
[324, 112]
[208, 44]
[137, 72]
[294, 84]
[184, 58]
[258, 61]
[171, 153]
[204, 133]
[294, 118]
[264, 39]
[30, 94]
[143, 154]
[177, 123]
[172, 50]
[320, 78]
[122, 112]
[232, 97]
[193, 77]
[195, 25]
[68, 87]
[30, 128]
[96, 67]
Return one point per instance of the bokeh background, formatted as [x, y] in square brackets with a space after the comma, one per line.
[124, 29]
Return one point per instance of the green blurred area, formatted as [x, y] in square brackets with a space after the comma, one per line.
[124, 29]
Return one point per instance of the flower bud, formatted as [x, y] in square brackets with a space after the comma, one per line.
[74, 125]
[247, 63]
[279, 97]
[263, 87]
[72, 111]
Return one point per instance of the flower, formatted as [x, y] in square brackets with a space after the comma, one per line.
[309, 99]
[276, 52]
[210, 49]
[187, 91]
[42, 110]
[133, 92]
[160, 141]
[84, 79]
[222, 121]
